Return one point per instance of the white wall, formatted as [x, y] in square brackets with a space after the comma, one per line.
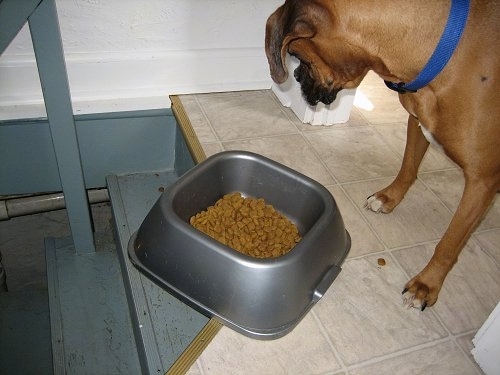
[135, 53]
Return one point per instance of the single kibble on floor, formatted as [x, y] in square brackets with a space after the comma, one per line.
[248, 225]
[381, 261]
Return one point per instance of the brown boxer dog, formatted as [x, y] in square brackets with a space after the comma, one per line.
[339, 41]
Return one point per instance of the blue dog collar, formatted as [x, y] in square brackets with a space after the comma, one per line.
[452, 33]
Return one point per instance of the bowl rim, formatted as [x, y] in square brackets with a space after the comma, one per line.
[328, 205]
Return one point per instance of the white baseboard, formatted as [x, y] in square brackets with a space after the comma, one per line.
[98, 81]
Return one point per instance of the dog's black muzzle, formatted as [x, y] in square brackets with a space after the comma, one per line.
[312, 92]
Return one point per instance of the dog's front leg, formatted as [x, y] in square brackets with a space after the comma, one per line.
[423, 289]
[416, 145]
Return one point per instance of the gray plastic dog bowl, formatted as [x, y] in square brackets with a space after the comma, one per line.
[260, 298]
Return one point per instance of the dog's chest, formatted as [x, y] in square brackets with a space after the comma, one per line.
[428, 135]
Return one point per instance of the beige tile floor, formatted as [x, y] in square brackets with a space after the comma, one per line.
[360, 325]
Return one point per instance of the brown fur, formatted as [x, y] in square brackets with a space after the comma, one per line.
[339, 41]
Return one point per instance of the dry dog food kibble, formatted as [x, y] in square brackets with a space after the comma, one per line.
[248, 225]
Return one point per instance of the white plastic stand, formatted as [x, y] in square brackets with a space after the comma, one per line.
[290, 95]
[486, 342]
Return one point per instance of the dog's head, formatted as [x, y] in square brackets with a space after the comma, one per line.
[328, 62]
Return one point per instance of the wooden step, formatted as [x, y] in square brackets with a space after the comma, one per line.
[91, 328]
[164, 326]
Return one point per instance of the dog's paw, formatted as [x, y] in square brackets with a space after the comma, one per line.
[411, 301]
[418, 295]
[374, 204]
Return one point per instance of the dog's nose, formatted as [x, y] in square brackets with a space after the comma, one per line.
[329, 96]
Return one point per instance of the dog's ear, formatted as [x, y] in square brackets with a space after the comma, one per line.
[282, 28]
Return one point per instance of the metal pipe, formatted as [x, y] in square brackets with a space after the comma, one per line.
[28, 205]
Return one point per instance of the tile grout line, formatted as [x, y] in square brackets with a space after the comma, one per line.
[358, 210]
[469, 355]
[324, 332]
[202, 109]
[477, 241]
[269, 136]
[318, 156]
[282, 108]
[388, 145]
[435, 195]
[399, 353]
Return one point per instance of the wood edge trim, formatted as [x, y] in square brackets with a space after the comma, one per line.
[187, 129]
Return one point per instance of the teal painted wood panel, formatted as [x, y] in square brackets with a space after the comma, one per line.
[28, 161]
[110, 143]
